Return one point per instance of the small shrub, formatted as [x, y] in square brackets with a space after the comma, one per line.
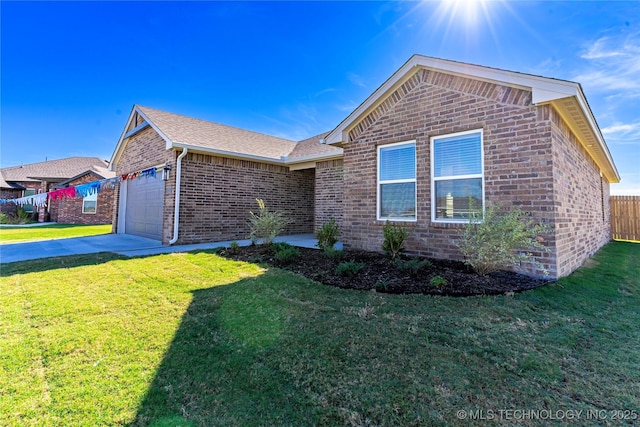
[501, 240]
[3, 218]
[266, 225]
[233, 247]
[438, 281]
[333, 253]
[349, 269]
[280, 246]
[256, 259]
[413, 265]
[23, 215]
[382, 284]
[394, 238]
[286, 255]
[328, 235]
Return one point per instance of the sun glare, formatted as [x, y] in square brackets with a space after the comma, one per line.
[467, 10]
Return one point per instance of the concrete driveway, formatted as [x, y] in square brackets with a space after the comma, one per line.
[123, 244]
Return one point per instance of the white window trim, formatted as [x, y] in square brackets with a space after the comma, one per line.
[454, 177]
[95, 211]
[396, 181]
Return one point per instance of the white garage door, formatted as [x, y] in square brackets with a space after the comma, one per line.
[145, 200]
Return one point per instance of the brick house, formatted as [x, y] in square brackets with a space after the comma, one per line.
[435, 136]
[42, 177]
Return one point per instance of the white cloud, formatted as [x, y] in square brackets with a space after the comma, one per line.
[623, 133]
[356, 80]
[613, 64]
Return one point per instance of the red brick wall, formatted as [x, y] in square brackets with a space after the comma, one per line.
[9, 208]
[69, 211]
[328, 193]
[218, 193]
[581, 200]
[517, 145]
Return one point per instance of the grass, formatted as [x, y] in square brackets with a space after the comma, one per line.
[49, 232]
[194, 339]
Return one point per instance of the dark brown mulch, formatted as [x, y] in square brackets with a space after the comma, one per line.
[381, 274]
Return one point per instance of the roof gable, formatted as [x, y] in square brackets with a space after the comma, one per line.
[567, 97]
[198, 135]
[97, 172]
[52, 170]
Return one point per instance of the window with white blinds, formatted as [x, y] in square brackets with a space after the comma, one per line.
[457, 179]
[397, 182]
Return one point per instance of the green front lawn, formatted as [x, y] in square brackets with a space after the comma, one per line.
[48, 232]
[194, 339]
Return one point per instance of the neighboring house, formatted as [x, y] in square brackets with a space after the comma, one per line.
[439, 138]
[35, 178]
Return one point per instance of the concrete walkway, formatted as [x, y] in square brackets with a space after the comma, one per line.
[123, 244]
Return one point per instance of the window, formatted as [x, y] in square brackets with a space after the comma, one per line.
[89, 204]
[25, 193]
[457, 180]
[397, 182]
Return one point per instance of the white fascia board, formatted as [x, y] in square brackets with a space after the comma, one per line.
[313, 158]
[543, 89]
[584, 105]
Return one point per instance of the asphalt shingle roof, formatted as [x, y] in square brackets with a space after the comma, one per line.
[60, 169]
[201, 133]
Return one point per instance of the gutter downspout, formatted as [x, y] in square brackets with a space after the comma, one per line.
[176, 210]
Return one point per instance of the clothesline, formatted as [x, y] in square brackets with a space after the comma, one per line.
[82, 190]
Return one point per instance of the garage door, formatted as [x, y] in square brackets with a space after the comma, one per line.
[145, 200]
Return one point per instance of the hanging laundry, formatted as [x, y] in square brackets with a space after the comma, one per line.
[63, 193]
[108, 184]
[89, 189]
[149, 173]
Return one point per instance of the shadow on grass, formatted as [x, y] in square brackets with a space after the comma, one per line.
[54, 263]
[220, 368]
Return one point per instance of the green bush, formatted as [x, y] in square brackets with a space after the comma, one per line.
[502, 239]
[328, 235]
[349, 269]
[233, 247]
[333, 253]
[3, 218]
[280, 246]
[394, 238]
[438, 281]
[266, 225]
[413, 265]
[286, 255]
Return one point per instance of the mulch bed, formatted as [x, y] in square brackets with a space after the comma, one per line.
[381, 274]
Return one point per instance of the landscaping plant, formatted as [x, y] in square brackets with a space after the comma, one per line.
[438, 281]
[328, 235]
[284, 253]
[502, 239]
[349, 269]
[413, 265]
[266, 225]
[394, 238]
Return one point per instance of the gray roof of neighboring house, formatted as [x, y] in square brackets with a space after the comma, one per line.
[188, 131]
[99, 172]
[4, 184]
[54, 170]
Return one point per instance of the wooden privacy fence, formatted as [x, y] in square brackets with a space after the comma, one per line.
[625, 217]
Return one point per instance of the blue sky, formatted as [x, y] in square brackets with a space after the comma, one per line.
[71, 71]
